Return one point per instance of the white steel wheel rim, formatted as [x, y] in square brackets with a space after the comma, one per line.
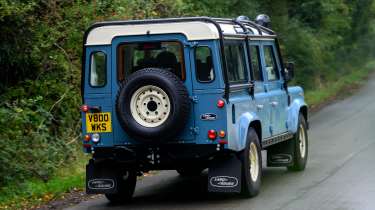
[254, 162]
[150, 106]
[302, 141]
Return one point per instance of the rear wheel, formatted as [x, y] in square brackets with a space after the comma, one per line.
[251, 159]
[126, 186]
[300, 146]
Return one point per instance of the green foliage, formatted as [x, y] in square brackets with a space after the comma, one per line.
[38, 122]
[342, 87]
[31, 193]
[41, 47]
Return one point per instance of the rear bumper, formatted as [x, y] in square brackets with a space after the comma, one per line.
[159, 157]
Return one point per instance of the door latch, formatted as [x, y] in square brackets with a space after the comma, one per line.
[260, 107]
[274, 103]
[194, 130]
[194, 99]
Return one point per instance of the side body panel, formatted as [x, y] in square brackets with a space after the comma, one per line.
[206, 95]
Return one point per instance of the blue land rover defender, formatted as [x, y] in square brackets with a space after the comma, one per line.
[188, 94]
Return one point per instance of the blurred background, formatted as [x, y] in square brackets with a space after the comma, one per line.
[332, 43]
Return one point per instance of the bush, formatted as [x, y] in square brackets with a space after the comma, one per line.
[39, 124]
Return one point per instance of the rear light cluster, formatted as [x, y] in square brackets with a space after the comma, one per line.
[221, 134]
[220, 103]
[85, 108]
[212, 135]
[95, 138]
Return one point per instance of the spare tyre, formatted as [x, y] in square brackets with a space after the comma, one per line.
[152, 105]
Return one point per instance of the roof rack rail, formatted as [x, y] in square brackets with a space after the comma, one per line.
[252, 23]
[246, 23]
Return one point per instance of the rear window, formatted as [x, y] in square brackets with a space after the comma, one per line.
[98, 69]
[135, 56]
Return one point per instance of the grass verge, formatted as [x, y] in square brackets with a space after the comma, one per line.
[32, 193]
[36, 192]
[342, 87]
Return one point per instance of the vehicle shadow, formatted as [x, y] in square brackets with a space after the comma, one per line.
[191, 193]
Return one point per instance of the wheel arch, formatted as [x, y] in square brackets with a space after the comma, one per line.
[257, 125]
[304, 111]
[238, 139]
[297, 106]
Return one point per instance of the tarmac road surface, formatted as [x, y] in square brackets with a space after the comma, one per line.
[340, 173]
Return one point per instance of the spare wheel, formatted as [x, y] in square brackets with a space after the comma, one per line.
[152, 105]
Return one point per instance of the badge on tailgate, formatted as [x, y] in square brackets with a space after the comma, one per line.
[98, 122]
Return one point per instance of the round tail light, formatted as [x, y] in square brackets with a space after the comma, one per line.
[212, 134]
[220, 103]
[84, 108]
[221, 134]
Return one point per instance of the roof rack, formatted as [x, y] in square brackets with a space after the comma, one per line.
[248, 23]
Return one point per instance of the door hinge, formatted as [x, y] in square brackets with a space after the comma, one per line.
[194, 99]
[194, 130]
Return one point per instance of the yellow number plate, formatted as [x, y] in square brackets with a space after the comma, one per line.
[98, 122]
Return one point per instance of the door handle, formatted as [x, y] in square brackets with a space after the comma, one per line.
[260, 106]
[274, 103]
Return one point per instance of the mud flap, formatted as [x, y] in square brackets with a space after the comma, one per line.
[224, 175]
[281, 154]
[101, 178]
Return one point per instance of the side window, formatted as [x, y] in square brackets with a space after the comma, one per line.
[271, 67]
[255, 62]
[98, 69]
[203, 64]
[235, 56]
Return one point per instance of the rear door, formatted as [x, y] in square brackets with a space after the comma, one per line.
[123, 57]
[240, 99]
[260, 94]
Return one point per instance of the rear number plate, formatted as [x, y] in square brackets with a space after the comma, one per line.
[98, 122]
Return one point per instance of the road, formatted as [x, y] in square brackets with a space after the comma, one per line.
[340, 173]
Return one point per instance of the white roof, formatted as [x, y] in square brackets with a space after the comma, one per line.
[103, 33]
